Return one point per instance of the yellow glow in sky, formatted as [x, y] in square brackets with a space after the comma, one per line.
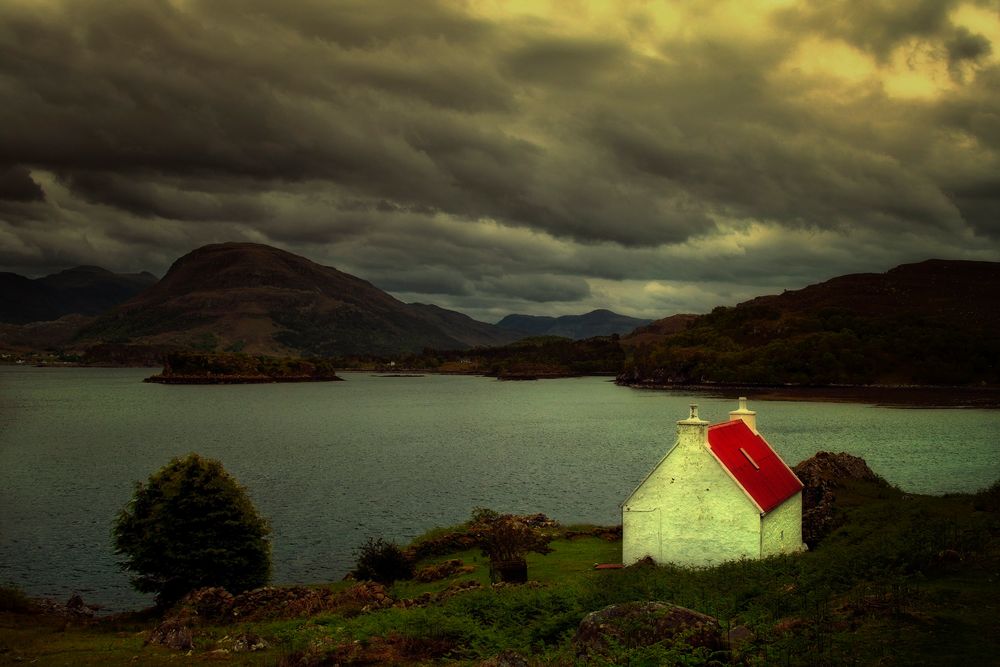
[915, 69]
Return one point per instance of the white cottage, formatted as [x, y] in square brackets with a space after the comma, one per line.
[720, 493]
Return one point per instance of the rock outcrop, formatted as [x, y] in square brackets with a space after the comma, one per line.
[216, 605]
[638, 624]
[443, 570]
[75, 609]
[822, 475]
[172, 633]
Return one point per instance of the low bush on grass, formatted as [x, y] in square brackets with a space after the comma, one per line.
[13, 599]
[506, 539]
[382, 561]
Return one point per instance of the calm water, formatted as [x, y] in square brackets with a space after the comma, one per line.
[330, 464]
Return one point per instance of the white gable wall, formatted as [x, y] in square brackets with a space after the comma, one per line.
[782, 528]
[689, 510]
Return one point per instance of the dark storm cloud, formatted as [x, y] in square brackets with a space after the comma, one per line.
[425, 280]
[190, 202]
[566, 62]
[876, 27]
[496, 160]
[879, 28]
[16, 184]
[537, 287]
[352, 23]
[167, 91]
[166, 94]
[965, 45]
[980, 201]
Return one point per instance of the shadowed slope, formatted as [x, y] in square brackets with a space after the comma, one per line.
[255, 298]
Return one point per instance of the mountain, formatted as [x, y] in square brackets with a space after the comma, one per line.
[461, 327]
[656, 331]
[595, 323]
[934, 322]
[84, 290]
[258, 299]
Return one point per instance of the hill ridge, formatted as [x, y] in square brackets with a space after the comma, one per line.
[79, 290]
[597, 322]
[933, 322]
[256, 298]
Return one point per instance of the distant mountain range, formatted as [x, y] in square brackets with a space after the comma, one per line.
[258, 299]
[595, 323]
[84, 290]
[251, 298]
[935, 322]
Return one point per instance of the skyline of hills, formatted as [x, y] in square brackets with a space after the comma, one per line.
[259, 299]
[599, 322]
[931, 322]
[25, 293]
[81, 290]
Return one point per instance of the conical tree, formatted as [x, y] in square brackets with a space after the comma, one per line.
[192, 525]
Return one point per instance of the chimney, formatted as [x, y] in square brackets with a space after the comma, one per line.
[749, 417]
[693, 430]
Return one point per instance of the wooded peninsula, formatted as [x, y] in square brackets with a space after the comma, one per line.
[223, 368]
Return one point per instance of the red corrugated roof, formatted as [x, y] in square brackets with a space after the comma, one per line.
[753, 463]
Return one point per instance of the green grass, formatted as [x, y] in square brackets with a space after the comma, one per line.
[412, 589]
[906, 580]
[50, 641]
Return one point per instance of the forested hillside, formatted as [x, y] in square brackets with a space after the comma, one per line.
[936, 322]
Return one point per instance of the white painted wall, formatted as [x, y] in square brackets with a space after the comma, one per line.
[782, 528]
[689, 510]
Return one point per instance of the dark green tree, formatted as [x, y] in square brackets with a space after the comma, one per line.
[192, 525]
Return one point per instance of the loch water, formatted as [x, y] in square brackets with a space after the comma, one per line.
[330, 464]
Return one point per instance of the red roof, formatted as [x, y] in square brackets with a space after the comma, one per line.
[757, 468]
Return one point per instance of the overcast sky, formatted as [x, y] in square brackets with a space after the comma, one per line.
[496, 157]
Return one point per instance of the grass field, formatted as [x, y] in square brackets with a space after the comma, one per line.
[906, 580]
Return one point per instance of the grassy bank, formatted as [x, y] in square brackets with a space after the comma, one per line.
[906, 580]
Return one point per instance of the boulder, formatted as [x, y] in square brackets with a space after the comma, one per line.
[75, 606]
[739, 636]
[75, 609]
[173, 634]
[246, 642]
[829, 469]
[821, 475]
[212, 604]
[639, 624]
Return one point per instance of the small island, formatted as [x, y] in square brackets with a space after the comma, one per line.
[193, 368]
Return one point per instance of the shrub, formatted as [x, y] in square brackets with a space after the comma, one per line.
[189, 526]
[382, 561]
[506, 539]
[13, 599]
